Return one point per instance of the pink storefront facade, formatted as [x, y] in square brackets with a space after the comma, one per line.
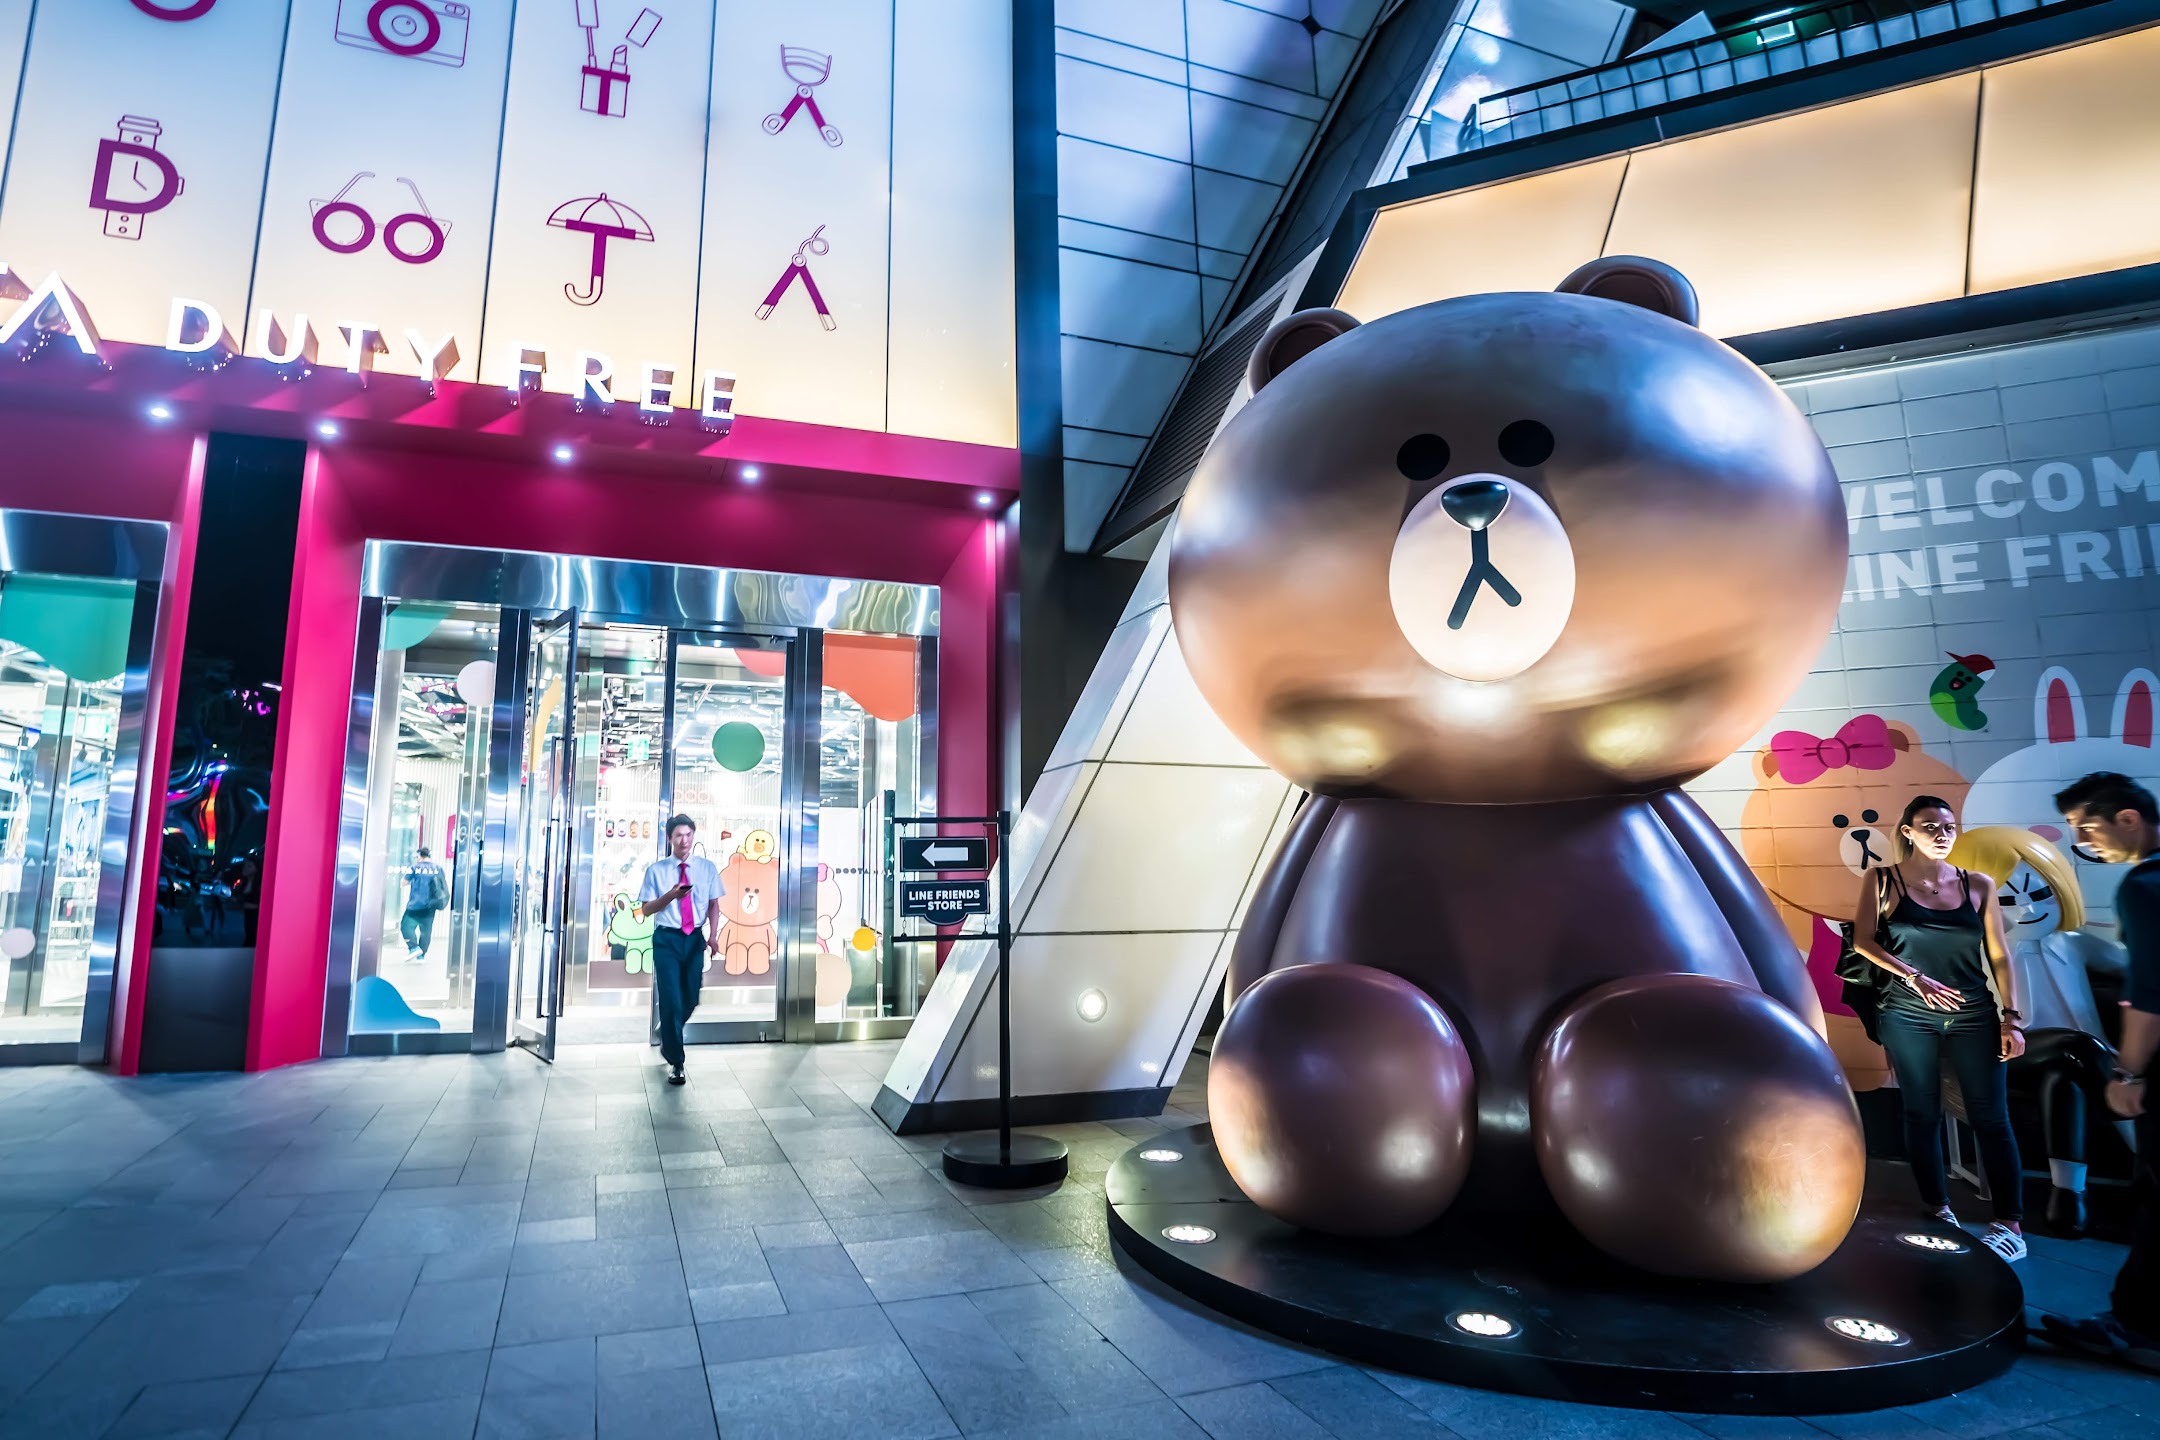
[396, 466]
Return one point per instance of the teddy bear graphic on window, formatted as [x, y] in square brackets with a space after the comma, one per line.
[1492, 577]
[749, 906]
[630, 933]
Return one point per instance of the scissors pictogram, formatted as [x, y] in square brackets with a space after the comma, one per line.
[798, 264]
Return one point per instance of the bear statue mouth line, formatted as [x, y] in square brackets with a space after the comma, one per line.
[1482, 573]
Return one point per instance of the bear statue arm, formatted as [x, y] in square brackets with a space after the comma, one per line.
[1254, 953]
[1769, 950]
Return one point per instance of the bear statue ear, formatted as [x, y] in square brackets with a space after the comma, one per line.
[1766, 764]
[1903, 738]
[1291, 339]
[1633, 280]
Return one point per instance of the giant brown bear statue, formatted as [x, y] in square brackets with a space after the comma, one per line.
[1491, 578]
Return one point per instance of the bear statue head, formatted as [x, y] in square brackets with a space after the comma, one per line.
[1507, 548]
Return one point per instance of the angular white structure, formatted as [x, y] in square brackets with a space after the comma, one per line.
[1132, 866]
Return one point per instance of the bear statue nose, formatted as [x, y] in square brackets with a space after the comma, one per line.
[1474, 504]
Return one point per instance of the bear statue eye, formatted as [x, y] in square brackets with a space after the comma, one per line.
[2043, 893]
[1526, 443]
[1422, 457]
[1870, 816]
[1838, 820]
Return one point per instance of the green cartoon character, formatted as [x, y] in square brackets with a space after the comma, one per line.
[1956, 691]
[630, 934]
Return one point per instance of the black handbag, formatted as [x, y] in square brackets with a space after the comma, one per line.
[1861, 977]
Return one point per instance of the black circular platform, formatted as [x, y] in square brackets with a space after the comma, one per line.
[1575, 1325]
[982, 1160]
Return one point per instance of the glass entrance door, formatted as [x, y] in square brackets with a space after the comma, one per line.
[548, 836]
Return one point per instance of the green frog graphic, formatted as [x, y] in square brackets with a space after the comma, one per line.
[631, 933]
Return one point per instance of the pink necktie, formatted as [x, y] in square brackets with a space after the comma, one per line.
[689, 916]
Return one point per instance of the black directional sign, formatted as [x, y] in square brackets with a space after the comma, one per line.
[939, 852]
[944, 902]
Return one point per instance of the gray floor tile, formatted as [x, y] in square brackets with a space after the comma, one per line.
[947, 1264]
[191, 1406]
[736, 1302]
[420, 1420]
[376, 1385]
[1158, 1420]
[862, 1391]
[1252, 1412]
[817, 1277]
[59, 1302]
[450, 1316]
[597, 1301]
[1345, 1401]
[658, 1405]
[814, 1333]
[980, 1379]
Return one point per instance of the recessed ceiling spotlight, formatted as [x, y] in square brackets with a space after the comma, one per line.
[564, 454]
[985, 499]
[1093, 1005]
[159, 410]
[328, 429]
[751, 475]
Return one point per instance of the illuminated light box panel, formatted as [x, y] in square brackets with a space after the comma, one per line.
[1871, 204]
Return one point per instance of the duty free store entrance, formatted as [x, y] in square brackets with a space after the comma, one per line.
[536, 748]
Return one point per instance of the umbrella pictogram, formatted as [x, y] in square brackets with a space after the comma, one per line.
[604, 220]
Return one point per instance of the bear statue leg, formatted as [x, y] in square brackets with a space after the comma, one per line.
[1253, 954]
[1342, 1099]
[1696, 1127]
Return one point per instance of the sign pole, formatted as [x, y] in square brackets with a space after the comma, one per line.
[1004, 996]
[1004, 1160]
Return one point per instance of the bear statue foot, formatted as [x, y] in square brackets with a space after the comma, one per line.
[1695, 1127]
[1342, 1100]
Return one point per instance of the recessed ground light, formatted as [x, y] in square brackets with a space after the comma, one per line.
[1873, 1332]
[1484, 1324]
[1942, 1244]
[1188, 1234]
[1161, 1157]
[1093, 1005]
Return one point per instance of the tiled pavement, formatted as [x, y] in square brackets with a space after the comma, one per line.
[460, 1246]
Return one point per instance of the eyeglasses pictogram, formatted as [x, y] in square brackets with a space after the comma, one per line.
[393, 237]
[808, 69]
[799, 266]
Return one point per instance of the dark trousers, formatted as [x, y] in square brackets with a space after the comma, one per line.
[418, 929]
[1971, 1043]
[2137, 1287]
[678, 963]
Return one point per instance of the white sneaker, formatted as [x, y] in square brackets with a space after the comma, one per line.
[2004, 1241]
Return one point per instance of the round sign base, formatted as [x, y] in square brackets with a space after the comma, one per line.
[978, 1160]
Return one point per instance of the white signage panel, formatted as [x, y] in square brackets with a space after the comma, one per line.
[381, 190]
[599, 200]
[136, 162]
[792, 288]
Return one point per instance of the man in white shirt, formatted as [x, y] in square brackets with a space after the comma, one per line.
[684, 891]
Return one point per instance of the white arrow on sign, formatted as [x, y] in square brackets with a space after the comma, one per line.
[939, 854]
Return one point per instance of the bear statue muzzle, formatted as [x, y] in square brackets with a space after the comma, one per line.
[1482, 577]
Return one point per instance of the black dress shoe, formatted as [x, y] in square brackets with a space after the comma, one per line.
[675, 1076]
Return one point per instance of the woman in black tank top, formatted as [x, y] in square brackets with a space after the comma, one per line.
[1950, 999]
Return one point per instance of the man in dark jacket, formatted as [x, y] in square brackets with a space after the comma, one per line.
[425, 893]
[2116, 819]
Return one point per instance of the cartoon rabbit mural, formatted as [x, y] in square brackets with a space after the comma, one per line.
[2019, 789]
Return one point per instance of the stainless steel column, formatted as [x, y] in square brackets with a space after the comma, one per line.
[345, 885]
[802, 731]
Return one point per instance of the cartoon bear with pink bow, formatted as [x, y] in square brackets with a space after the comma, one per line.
[1824, 812]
